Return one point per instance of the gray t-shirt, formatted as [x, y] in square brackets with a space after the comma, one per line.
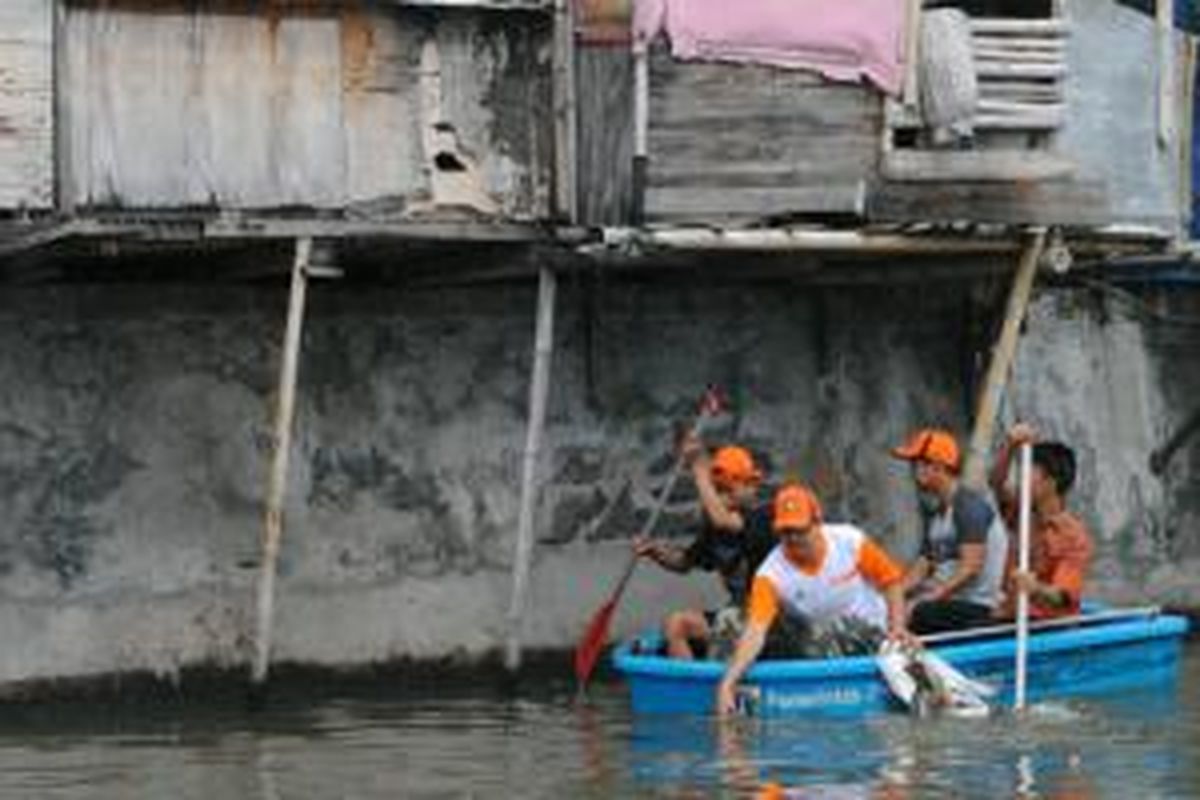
[969, 519]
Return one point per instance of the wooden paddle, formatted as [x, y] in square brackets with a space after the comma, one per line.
[587, 652]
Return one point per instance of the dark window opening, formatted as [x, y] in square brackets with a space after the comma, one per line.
[999, 8]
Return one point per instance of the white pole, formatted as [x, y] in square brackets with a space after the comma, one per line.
[543, 349]
[282, 440]
[1023, 566]
[1164, 17]
[641, 128]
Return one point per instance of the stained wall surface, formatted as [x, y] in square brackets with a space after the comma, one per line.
[134, 436]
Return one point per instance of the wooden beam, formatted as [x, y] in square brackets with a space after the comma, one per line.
[1019, 44]
[989, 54]
[641, 128]
[64, 178]
[496, 5]
[1008, 69]
[1081, 201]
[1000, 366]
[912, 50]
[277, 480]
[565, 120]
[998, 115]
[974, 165]
[715, 202]
[530, 485]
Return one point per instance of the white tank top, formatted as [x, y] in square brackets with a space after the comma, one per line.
[836, 590]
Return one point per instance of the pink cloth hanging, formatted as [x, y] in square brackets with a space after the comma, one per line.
[845, 40]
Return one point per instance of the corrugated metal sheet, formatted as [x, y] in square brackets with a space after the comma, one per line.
[320, 108]
[26, 104]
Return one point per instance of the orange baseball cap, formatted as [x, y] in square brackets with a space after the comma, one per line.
[930, 444]
[795, 508]
[733, 465]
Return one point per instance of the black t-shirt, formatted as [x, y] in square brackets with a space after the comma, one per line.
[735, 556]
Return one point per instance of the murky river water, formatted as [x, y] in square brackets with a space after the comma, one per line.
[460, 742]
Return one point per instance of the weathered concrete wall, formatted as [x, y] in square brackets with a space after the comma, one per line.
[1117, 375]
[134, 424]
[1112, 130]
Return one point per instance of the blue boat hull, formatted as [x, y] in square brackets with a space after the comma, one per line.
[1098, 658]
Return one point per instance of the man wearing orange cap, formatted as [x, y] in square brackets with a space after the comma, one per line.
[823, 573]
[735, 538]
[957, 577]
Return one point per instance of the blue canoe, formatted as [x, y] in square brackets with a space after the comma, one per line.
[1101, 652]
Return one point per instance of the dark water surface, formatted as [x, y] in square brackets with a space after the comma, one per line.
[382, 742]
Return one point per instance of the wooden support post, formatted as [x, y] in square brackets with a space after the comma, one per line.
[277, 482]
[1165, 20]
[912, 51]
[538, 393]
[64, 177]
[565, 115]
[641, 128]
[1002, 359]
[1186, 116]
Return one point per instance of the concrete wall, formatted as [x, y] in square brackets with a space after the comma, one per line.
[134, 427]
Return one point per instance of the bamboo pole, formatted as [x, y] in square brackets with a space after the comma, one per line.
[277, 482]
[1002, 359]
[539, 390]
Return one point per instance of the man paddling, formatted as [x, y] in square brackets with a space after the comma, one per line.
[957, 578]
[734, 539]
[820, 572]
[1060, 547]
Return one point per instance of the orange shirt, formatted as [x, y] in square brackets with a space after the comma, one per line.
[1060, 552]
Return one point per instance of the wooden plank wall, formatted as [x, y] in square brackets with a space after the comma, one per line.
[746, 142]
[604, 163]
[26, 104]
[733, 144]
[1120, 175]
[243, 105]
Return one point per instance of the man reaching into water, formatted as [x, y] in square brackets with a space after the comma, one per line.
[823, 573]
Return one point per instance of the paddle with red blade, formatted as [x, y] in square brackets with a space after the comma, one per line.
[595, 636]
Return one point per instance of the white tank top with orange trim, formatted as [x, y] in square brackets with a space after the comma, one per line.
[838, 589]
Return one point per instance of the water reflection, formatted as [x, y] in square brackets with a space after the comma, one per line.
[463, 741]
[1137, 745]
